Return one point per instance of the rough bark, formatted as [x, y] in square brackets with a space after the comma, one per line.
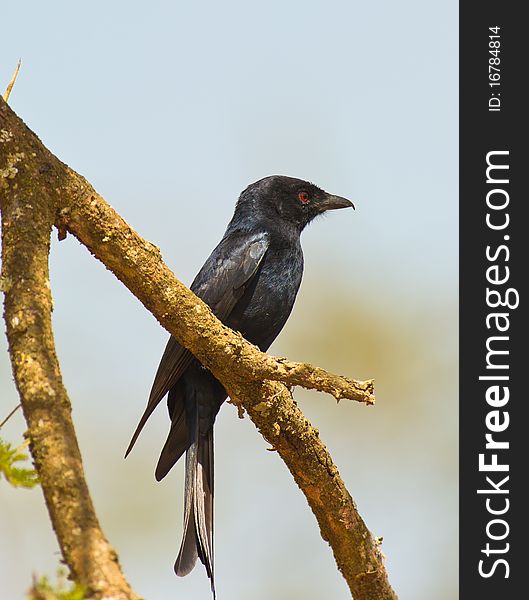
[36, 190]
[28, 213]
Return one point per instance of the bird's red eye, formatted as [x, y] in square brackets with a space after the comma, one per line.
[304, 197]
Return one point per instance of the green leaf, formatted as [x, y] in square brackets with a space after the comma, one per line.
[42, 589]
[16, 476]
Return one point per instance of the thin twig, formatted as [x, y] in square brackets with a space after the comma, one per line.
[12, 82]
[10, 415]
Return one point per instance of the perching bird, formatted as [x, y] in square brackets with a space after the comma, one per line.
[250, 281]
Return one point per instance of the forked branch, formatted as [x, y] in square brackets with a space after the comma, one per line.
[36, 191]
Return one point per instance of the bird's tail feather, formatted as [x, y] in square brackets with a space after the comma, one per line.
[177, 442]
[197, 541]
[188, 554]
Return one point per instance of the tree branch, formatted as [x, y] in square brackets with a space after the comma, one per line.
[27, 217]
[253, 380]
[263, 366]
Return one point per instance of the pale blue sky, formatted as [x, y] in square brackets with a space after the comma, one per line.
[170, 110]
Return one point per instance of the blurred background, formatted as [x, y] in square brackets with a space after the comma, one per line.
[170, 109]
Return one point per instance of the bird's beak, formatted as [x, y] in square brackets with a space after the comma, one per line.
[331, 202]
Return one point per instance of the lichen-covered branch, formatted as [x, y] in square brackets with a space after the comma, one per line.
[280, 421]
[308, 376]
[253, 380]
[28, 212]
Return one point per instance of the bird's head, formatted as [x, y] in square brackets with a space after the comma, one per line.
[287, 199]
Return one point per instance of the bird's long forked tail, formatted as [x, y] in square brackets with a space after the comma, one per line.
[197, 540]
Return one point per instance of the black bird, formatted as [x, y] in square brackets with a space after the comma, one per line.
[250, 281]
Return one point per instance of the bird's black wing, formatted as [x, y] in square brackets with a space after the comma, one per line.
[220, 283]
